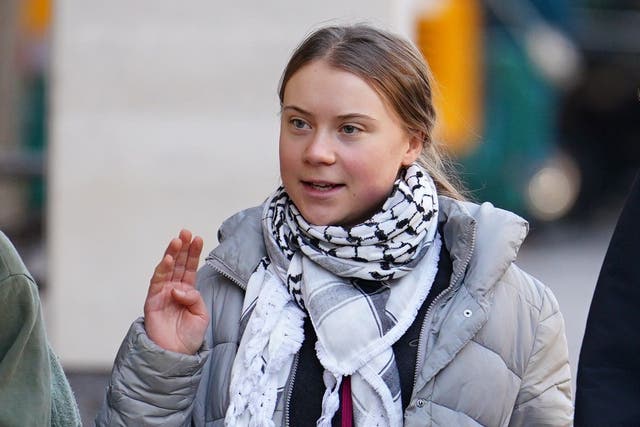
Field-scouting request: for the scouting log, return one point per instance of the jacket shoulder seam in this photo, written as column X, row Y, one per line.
column 17, row 275
column 556, row 384
column 457, row 411
column 535, row 285
column 500, row 356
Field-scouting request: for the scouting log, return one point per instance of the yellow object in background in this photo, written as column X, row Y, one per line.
column 449, row 35
column 35, row 17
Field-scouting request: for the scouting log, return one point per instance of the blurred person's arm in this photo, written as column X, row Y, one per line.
column 608, row 386
column 33, row 387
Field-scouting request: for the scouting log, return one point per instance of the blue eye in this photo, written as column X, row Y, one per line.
column 298, row 123
column 350, row 129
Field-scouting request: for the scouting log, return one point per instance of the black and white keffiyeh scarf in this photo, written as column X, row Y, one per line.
column 362, row 287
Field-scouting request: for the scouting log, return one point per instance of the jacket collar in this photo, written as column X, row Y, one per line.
column 241, row 246
column 483, row 242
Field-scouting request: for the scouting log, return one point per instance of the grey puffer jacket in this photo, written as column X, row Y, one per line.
column 492, row 349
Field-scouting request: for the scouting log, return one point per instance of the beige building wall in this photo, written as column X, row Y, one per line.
column 164, row 115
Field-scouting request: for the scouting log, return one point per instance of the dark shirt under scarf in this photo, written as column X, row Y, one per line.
column 305, row 406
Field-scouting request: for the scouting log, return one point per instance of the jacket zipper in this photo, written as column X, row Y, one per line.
column 221, row 268
column 289, row 389
column 422, row 330
column 453, row 283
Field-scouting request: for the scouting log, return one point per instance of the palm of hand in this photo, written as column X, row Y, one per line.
column 175, row 315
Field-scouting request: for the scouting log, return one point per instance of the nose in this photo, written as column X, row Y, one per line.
column 320, row 150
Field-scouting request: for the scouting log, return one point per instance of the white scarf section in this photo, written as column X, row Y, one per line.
column 362, row 287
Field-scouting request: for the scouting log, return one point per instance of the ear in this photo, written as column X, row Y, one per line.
column 414, row 148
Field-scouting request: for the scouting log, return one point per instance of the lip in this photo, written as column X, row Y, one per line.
column 318, row 188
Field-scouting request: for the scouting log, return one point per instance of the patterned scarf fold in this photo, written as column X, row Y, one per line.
column 362, row 287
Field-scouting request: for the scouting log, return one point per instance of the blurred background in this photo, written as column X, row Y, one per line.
column 122, row 122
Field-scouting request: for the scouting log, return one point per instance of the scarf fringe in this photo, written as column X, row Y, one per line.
column 276, row 324
column 330, row 399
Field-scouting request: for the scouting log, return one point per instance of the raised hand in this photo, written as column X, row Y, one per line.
column 175, row 316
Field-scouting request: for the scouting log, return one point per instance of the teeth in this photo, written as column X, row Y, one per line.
column 322, row 186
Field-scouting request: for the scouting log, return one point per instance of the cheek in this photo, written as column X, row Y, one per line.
column 377, row 169
column 375, row 180
column 285, row 155
column 285, row 170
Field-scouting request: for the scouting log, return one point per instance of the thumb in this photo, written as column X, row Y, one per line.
column 190, row 298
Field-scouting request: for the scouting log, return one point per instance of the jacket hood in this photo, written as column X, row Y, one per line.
column 10, row 262
column 482, row 239
column 483, row 242
column 241, row 245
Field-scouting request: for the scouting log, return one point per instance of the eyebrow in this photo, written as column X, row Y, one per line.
column 351, row 116
column 348, row 116
column 298, row 109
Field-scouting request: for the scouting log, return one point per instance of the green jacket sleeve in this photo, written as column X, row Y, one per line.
column 33, row 388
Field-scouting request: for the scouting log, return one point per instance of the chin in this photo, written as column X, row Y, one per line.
column 322, row 222
column 320, row 219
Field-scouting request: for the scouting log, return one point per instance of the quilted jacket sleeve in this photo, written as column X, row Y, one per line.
column 150, row 386
column 545, row 394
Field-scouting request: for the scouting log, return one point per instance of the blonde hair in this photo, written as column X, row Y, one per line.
column 397, row 71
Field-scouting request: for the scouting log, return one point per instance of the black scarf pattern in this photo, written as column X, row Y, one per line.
column 382, row 248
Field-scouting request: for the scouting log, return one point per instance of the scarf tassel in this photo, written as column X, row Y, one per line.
column 331, row 399
column 277, row 325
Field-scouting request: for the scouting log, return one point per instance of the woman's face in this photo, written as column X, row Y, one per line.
column 341, row 145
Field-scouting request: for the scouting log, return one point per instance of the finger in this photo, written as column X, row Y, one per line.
column 192, row 300
column 173, row 247
column 164, row 269
column 181, row 259
column 193, row 259
column 161, row 274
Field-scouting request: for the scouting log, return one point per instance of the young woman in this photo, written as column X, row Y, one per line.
column 364, row 291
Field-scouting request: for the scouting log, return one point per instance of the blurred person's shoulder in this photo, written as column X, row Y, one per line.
column 11, row 263
column 19, row 295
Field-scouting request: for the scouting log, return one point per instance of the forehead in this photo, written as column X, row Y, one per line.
column 321, row 85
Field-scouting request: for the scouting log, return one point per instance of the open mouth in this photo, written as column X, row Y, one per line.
column 321, row 186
